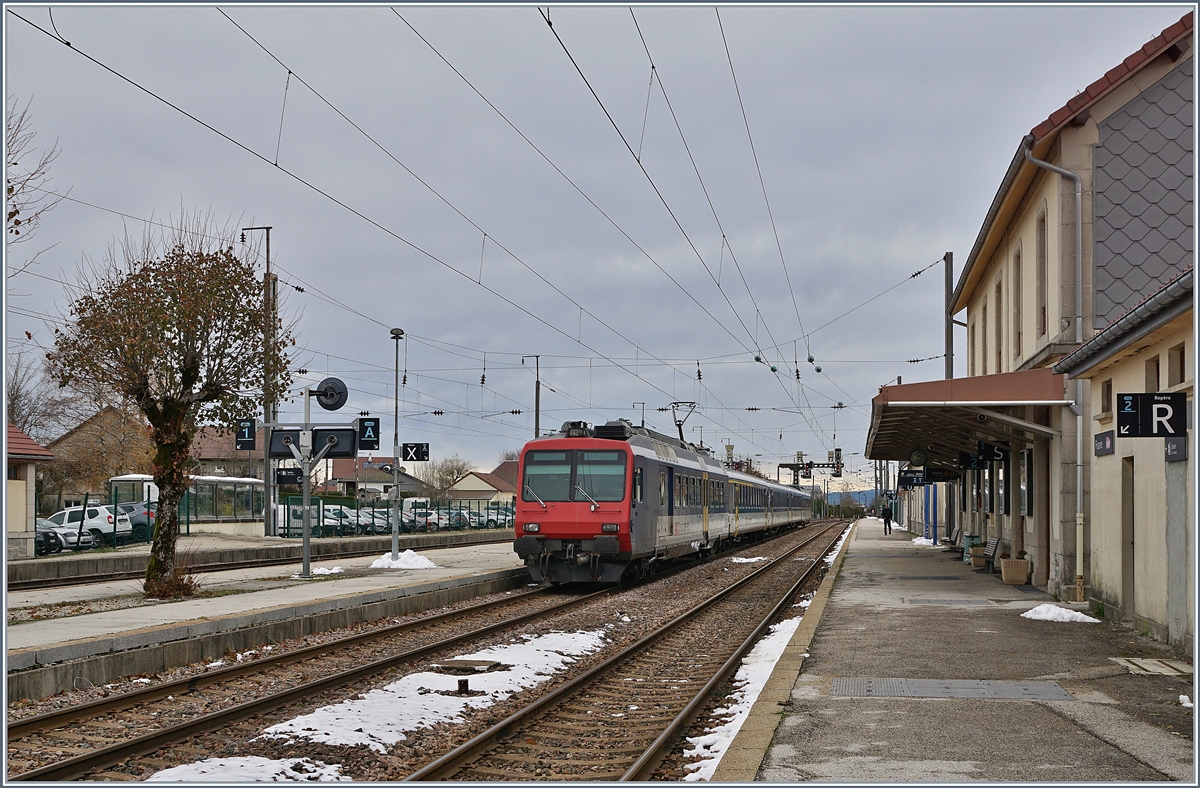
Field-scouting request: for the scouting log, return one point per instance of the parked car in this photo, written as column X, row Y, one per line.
column 45, row 541
column 65, row 536
column 141, row 517
column 499, row 519
column 105, row 525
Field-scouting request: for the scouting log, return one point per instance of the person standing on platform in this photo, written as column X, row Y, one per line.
column 887, row 521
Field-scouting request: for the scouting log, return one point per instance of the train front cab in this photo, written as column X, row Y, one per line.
column 573, row 509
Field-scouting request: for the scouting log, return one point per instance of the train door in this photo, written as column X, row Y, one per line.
column 735, row 496
column 704, row 502
column 671, row 500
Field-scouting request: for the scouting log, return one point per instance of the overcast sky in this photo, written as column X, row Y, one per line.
column 881, row 134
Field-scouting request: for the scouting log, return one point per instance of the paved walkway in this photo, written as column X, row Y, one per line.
column 901, row 612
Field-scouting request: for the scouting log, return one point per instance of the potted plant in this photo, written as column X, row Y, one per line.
column 1015, row 571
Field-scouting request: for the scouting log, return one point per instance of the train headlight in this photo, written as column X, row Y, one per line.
column 531, row 528
column 610, row 528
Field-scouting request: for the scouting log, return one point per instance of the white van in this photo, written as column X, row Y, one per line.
column 410, row 505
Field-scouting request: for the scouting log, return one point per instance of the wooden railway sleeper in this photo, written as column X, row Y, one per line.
column 455, row 760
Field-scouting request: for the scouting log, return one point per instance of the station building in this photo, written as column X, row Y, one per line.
column 1078, row 283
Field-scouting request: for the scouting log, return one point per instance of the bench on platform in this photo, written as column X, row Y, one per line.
column 954, row 541
column 989, row 555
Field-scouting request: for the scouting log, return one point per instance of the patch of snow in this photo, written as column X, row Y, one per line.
column 1185, row 701
column 422, row 700
column 320, row 570
column 406, row 560
column 748, row 683
column 921, row 541
column 748, row 560
column 833, row 554
column 250, row 770
column 217, row 664
column 1050, row 612
column 141, row 681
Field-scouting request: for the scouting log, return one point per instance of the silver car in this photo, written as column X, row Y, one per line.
column 104, row 525
column 69, row 538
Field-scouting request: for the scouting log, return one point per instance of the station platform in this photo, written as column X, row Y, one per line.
column 239, row 609
column 910, row 666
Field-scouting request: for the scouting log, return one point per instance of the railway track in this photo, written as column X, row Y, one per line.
column 151, row 728
column 617, row 720
column 58, row 582
column 77, row 735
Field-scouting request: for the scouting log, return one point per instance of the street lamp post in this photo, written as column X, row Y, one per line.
column 397, row 334
column 269, row 408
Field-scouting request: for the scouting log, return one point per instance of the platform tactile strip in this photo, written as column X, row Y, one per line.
column 948, row 688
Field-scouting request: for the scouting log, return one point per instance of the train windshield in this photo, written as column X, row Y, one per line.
column 574, row 476
column 600, row 474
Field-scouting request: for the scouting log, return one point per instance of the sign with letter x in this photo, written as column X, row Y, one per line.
column 414, row 452
column 1151, row 415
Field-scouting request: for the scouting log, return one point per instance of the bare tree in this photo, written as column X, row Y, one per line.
column 440, row 475
column 511, row 455
column 175, row 325
column 26, row 174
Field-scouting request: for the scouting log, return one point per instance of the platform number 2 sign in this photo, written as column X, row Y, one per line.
column 1151, row 415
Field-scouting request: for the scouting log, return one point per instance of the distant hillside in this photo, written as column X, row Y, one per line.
column 863, row 497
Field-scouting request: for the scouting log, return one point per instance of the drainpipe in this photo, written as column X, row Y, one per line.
column 1077, row 408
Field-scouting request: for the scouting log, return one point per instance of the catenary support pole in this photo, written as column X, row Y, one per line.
column 949, row 260
column 397, row 335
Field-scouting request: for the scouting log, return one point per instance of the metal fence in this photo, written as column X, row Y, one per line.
column 333, row 516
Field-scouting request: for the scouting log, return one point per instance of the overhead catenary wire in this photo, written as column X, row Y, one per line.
column 712, row 208
column 761, row 181
column 473, row 224
column 436, row 344
column 323, row 193
column 691, row 244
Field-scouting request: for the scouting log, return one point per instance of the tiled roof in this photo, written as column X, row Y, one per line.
column 216, row 443
column 494, row 481
column 1114, row 77
column 1018, row 175
column 1157, row 308
column 507, row 471
column 23, row 447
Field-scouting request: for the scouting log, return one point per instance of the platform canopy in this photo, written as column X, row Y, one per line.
column 942, row 418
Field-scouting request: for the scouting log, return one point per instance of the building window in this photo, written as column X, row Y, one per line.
column 1000, row 325
column 1016, row 305
column 1152, row 375
column 14, row 473
column 1176, row 365
column 983, row 339
column 1106, row 396
column 1040, row 262
column 971, row 349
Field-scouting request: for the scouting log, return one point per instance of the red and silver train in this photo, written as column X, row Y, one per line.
column 595, row 504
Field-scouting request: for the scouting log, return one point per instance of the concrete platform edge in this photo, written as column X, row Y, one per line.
column 42, row 672
column 68, row 566
column 741, row 762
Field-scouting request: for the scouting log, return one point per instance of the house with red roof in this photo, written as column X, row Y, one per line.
column 1078, row 288
column 23, row 456
column 484, row 487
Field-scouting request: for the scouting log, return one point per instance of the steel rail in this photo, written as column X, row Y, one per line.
column 125, row 700
column 78, row 580
column 649, row 760
column 106, row 756
column 449, row 763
